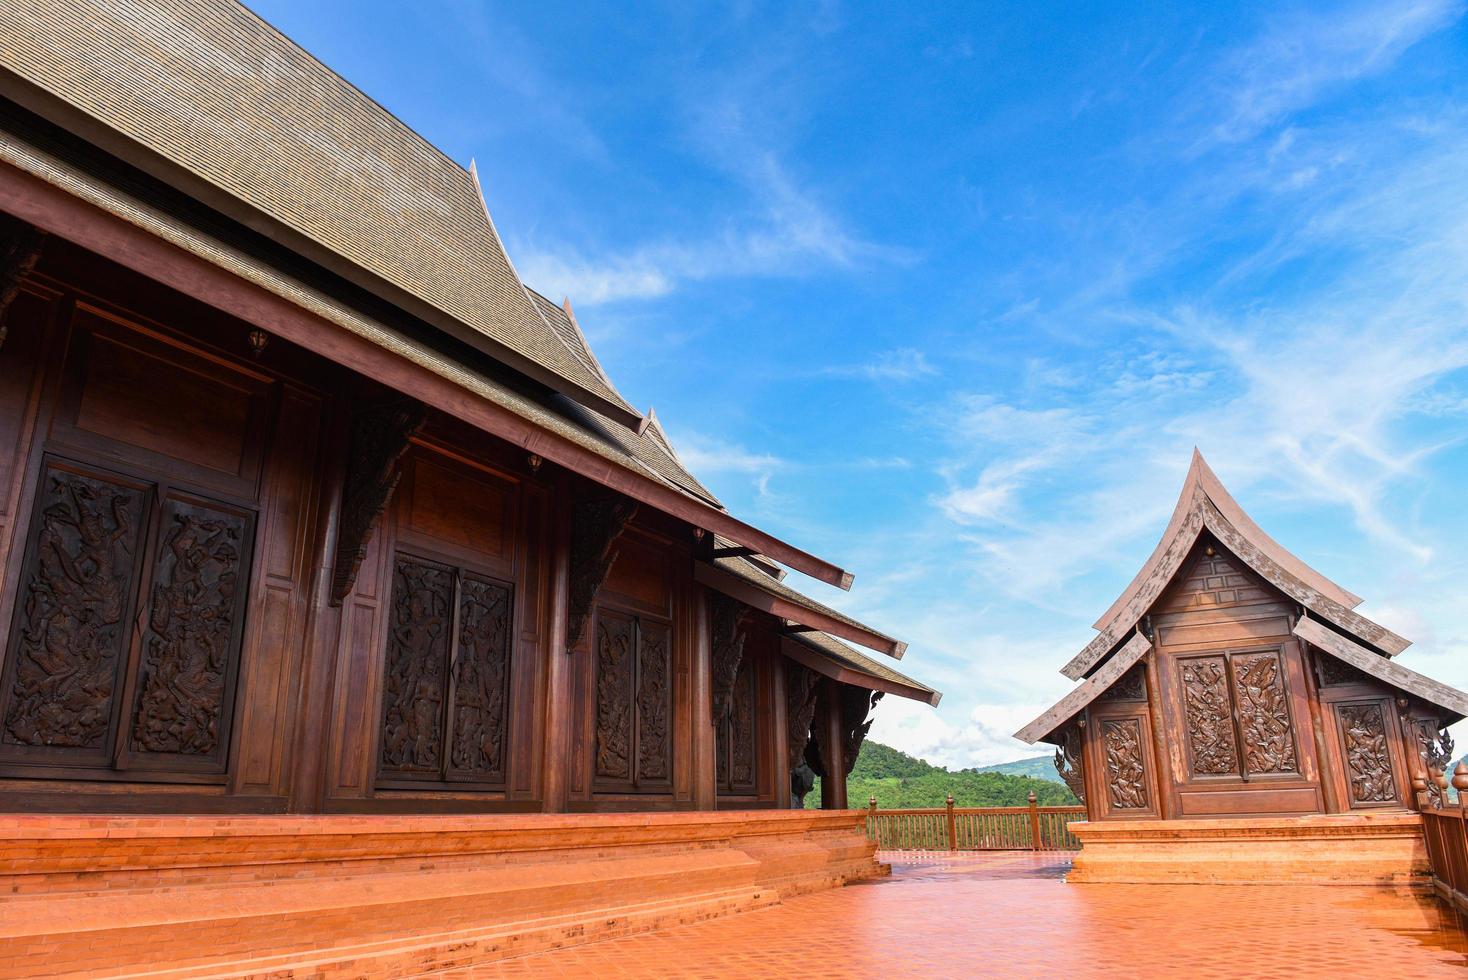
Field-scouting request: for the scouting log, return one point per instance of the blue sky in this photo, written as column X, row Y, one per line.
column 947, row 293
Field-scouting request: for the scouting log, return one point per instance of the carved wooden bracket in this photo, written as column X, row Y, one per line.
column 380, row 436
column 1435, row 749
column 1068, row 760
column 595, row 527
column 801, row 685
column 20, row 247
column 726, row 622
column 856, row 705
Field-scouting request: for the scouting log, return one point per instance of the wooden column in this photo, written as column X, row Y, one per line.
column 833, row 739
column 556, row 755
column 705, row 776
column 778, row 734
column 1168, row 777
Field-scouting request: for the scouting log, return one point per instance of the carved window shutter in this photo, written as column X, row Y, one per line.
column 634, row 703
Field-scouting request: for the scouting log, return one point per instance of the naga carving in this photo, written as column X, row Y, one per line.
column 1068, row 761
column 20, row 247
column 1368, row 760
column 192, row 640
column 595, row 527
column 1210, row 724
column 654, row 700
column 856, row 705
column 481, row 676
column 380, row 437
column 727, row 643
column 1126, row 773
column 1264, row 714
column 614, row 660
column 801, row 687
column 69, row 634
column 415, row 684
column 1435, row 746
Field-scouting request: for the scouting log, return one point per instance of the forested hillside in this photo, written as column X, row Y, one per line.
column 900, row 781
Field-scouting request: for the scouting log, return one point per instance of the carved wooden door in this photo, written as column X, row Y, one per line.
column 735, row 741
column 446, row 676
column 634, row 703
column 123, row 650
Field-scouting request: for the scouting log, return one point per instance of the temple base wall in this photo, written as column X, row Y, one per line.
column 1367, row 849
column 387, row 896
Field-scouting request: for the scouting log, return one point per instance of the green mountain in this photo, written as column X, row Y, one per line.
column 900, row 781
column 1040, row 767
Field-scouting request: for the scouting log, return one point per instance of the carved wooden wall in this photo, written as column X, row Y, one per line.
column 143, row 541
column 737, row 747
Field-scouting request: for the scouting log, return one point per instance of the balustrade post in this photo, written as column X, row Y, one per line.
column 872, row 820
column 952, row 824
column 1034, row 823
column 1460, row 783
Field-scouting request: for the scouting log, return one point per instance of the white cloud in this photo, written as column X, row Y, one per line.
column 902, row 364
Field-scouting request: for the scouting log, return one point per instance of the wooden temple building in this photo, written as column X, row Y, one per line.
column 309, row 506
column 1236, row 719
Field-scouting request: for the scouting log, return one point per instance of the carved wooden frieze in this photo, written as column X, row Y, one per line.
column 415, row 684
column 727, row 648
column 70, row 629
column 614, row 668
column 481, row 677
column 20, row 247
column 801, row 687
column 1335, row 673
column 1068, row 761
column 856, row 706
column 1126, row 779
column 1209, row 716
column 1264, row 714
column 1131, row 686
column 192, row 641
column 654, row 702
column 595, row 527
column 1368, row 760
column 1435, row 746
column 380, row 437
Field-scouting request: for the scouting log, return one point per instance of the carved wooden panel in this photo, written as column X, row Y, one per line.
column 481, row 676
column 654, row 702
column 190, row 648
column 415, row 683
column 615, row 659
column 1131, row 686
column 801, row 687
column 71, row 624
column 1368, row 759
column 735, row 742
column 1209, row 716
column 1264, row 713
column 1335, row 673
column 1126, row 773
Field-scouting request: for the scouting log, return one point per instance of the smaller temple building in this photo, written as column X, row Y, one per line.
column 1230, row 692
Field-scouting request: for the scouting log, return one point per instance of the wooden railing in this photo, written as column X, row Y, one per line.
column 1446, row 829
column 984, row 828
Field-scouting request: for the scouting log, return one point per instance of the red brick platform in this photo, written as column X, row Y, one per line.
column 386, row 895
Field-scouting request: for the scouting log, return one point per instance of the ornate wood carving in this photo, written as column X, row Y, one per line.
column 1068, row 761
column 614, row 665
column 1435, row 746
column 595, row 527
column 416, row 681
column 1131, row 686
column 1210, row 723
column 69, row 631
column 20, row 247
column 1264, row 714
column 481, row 676
column 380, row 437
column 193, row 634
column 1335, row 673
column 727, row 643
column 801, row 687
column 654, row 702
column 1368, row 760
column 741, row 729
column 856, row 706
column 1126, row 774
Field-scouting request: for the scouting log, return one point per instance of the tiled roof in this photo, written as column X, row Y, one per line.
column 216, row 92
column 853, row 659
column 753, row 574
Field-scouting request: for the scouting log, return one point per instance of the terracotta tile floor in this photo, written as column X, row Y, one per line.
column 1011, row 915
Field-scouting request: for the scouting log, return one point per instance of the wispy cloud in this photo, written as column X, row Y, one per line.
column 902, row 364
